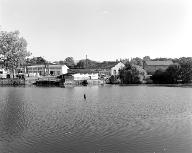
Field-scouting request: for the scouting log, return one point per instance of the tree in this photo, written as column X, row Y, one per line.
column 146, row 58
column 87, row 63
column 162, row 59
column 69, row 61
column 159, row 77
column 13, row 50
column 137, row 61
column 132, row 74
column 80, row 64
column 61, row 62
column 186, row 69
column 36, row 60
column 170, row 76
column 173, row 73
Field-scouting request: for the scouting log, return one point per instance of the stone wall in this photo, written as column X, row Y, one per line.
column 12, row 81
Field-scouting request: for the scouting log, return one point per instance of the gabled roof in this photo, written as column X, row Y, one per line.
column 159, row 63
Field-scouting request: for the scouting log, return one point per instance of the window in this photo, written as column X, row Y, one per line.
column 114, row 72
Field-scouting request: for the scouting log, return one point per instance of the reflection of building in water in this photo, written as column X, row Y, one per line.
column 14, row 117
column 47, row 70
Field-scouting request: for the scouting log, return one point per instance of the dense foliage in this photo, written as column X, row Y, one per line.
column 132, row 74
column 179, row 72
column 170, row 76
column 35, row 60
column 185, row 69
column 69, row 61
column 13, row 49
column 94, row 64
column 136, row 61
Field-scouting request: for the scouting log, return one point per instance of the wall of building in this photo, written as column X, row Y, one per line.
column 3, row 73
column 64, row 69
column 87, row 76
column 116, row 68
column 36, row 70
column 55, row 70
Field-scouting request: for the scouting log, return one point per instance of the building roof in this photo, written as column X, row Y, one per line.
column 73, row 71
column 49, row 65
column 159, row 63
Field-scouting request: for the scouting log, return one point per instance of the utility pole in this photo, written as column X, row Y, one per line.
column 86, row 61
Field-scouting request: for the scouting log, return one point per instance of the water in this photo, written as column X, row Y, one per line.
column 113, row 119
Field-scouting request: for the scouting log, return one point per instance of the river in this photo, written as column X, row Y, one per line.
column 112, row 119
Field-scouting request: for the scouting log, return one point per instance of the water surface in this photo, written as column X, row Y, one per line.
column 113, row 119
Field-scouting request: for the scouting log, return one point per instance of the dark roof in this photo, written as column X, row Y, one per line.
column 159, row 63
column 73, row 71
column 103, row 65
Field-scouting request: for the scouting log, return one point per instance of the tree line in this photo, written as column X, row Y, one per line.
column 179, row 72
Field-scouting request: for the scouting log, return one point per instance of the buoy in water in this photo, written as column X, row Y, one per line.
column 85, row 96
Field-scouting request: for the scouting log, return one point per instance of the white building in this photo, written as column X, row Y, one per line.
column 57, row 69
column 116, row 68
column 36, row 70
column 3, row 73
column 92, row 76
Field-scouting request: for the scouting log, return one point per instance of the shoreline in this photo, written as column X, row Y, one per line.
column 14, row 82
column 159, row 85
column 92, row 85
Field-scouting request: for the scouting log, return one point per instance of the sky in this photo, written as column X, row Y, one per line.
column 102, row 29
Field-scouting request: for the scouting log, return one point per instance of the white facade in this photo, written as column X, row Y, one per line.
column 36, row 70
column 3, row 73
column 116, row 68
column 92, row 76
column 55, row 70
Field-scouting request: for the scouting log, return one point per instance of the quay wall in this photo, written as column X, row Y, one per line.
column 12, row 81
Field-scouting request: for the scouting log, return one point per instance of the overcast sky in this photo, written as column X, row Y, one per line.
column 102, row 29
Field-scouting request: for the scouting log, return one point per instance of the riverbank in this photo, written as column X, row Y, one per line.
column 12, row 82
column 159, row 85
column 52, row 81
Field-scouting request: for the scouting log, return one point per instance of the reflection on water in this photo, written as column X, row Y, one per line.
column 13, row 115
column 112, row 119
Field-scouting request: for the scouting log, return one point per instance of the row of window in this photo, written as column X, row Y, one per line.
column 50, row 72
